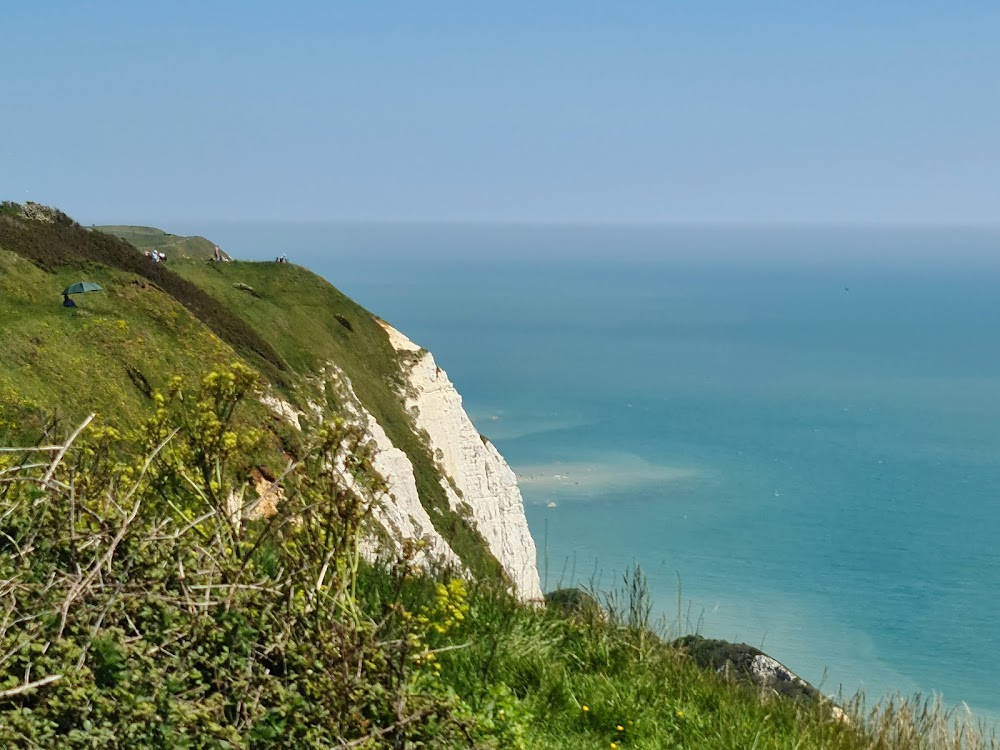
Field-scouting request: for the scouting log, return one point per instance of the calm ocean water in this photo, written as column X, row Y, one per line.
column 802, row 426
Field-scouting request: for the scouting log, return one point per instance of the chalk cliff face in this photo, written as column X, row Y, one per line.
column 481, row 481
column 400, row 514
column 475, row 477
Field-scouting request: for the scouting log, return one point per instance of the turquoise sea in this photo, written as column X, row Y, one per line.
column 799, row 425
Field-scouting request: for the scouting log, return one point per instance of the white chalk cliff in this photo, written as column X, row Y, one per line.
column 400, row 514
column 475, row 477
column 486, row 486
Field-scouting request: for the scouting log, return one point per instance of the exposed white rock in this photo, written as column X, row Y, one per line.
column 401, row 513
column 481, row 483
column 399, row 342
column 768, row 670
column 841, row 715
column 282, row 409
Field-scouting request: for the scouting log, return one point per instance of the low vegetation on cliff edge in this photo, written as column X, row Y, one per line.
column 145, row 601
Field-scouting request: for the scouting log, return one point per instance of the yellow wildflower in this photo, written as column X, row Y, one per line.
column 620, row 728
column 586, row 708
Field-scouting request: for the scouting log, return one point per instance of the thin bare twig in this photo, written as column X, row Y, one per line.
column 29, row 686
column 31, row 448
column 78, row 587
column 20, row 467
column 62, row 451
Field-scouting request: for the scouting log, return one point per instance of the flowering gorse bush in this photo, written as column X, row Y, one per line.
column 144, row 602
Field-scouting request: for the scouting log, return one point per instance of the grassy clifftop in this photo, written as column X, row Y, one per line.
column 55, row 243
column 151, row 238
column 186, row 316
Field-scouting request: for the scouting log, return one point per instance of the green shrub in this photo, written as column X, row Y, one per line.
column 159, row 610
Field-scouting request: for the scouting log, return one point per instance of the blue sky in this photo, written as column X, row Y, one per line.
column 536, row 111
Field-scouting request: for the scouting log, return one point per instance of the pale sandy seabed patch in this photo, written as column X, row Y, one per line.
column 588, row 477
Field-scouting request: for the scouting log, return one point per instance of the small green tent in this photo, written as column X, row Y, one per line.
column 80, row 287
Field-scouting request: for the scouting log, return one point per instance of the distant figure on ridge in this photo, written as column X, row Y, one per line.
column 67, row 302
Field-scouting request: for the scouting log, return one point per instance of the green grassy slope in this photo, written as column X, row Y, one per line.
column 62, row 243
column 185, row 316
column 171, row 245
column 310, row 323
column 80, row 360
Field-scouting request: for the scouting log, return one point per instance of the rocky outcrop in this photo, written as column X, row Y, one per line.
column 38, row 212
column 475, row 476
column 282, row 409
column 575, row 603
column 743, row 663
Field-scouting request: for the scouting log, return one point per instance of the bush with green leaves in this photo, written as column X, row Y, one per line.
column 146, row 602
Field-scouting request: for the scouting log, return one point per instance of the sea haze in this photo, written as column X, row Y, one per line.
column 800, row 425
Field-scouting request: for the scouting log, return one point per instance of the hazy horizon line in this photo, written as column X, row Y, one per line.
column 559, row 223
